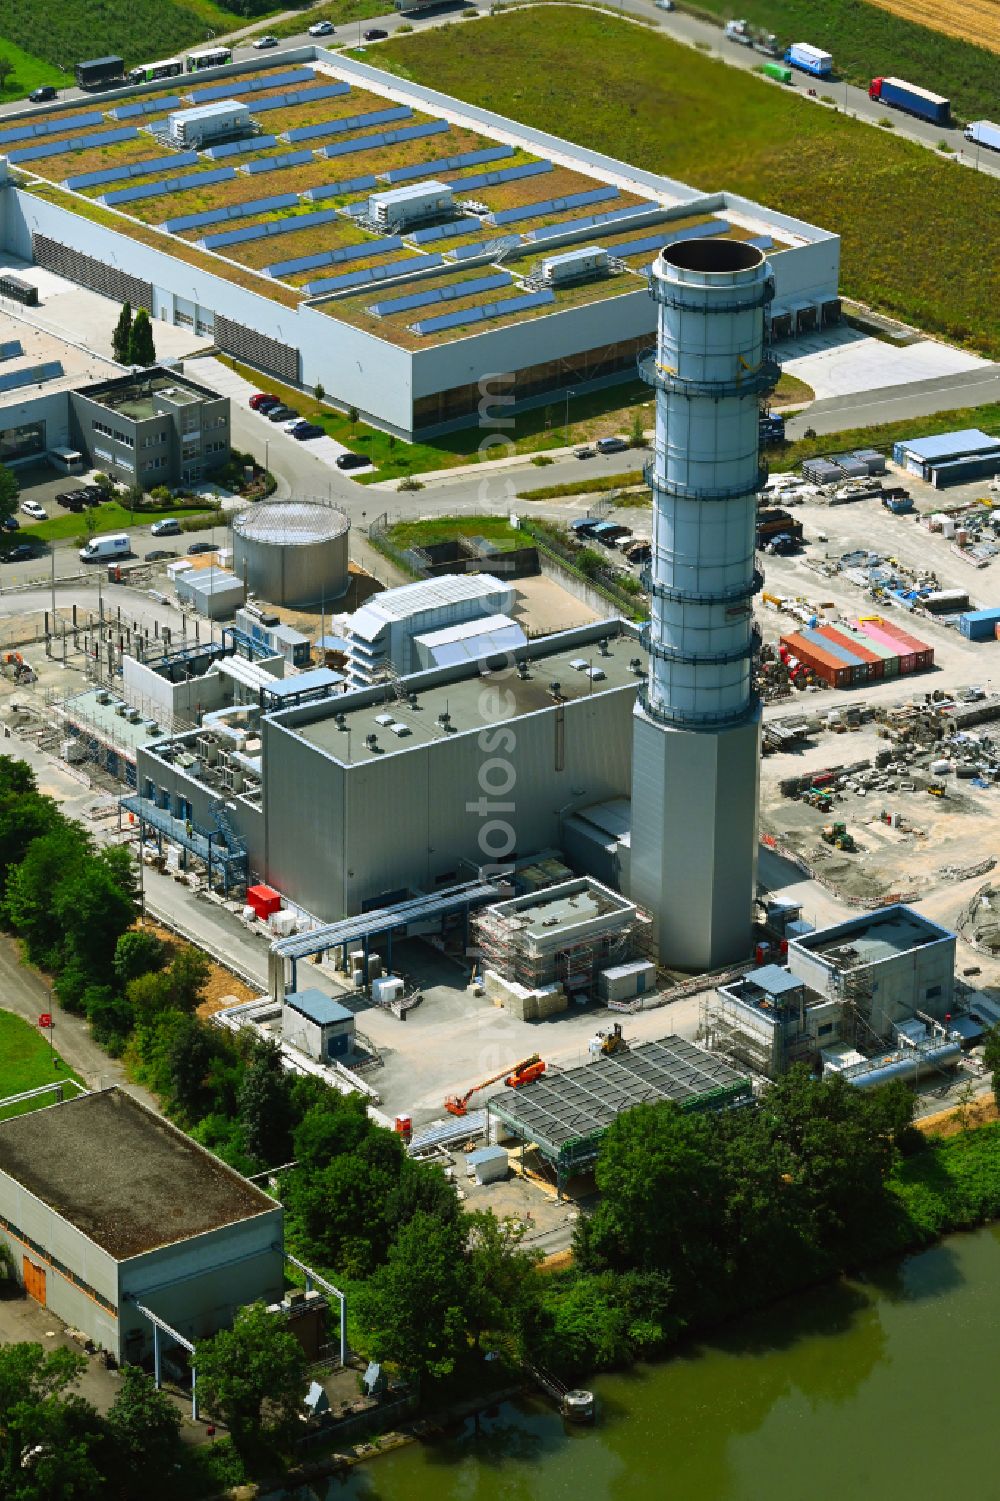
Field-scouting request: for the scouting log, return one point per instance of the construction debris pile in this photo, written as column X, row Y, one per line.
column 973, row 531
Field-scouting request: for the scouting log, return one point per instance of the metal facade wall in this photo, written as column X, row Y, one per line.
column 257, row 349
column 51, row 1239
column 410, row 817
column 198, row 1284
column 87, row 271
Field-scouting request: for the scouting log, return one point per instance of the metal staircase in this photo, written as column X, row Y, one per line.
column 233, row 861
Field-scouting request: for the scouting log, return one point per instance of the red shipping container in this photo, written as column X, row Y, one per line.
column 909, row 644
column 824, row 665
column 854, row 643
column 263, row 900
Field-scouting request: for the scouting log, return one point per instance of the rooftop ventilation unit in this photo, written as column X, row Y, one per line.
column 635, row 663
column 340, row 720
column 444, row 720
column 575, row 265
column 385, row 720
column 372, row 742
column 522, row 671
column 556, row 690
column 400, row 729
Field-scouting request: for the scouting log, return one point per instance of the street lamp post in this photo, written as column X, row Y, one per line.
column 566, row 424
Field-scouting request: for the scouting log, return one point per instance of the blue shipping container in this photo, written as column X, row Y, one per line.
column 980, row 625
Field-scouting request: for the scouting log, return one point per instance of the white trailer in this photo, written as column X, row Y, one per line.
column 575, row 265
column 983, row 133
column 206, row 122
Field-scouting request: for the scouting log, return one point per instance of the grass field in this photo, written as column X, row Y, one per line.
column 423, row 533
column 25, row 1063
column 866, row 41
column 61, row 34
column 29, row 71
column 918, row 233
column 110, row 518
column 884, row 434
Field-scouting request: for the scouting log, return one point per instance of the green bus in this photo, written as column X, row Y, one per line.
column 778, row 72
column 170, row 67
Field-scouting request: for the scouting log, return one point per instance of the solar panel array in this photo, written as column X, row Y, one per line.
column 265, row 231
column 671, row 237
column 552, row 206
column 255, row 85
column 144, row 107
column 301, row 96
column 334, row 189
column 506, row 174
column 11, row 349
column 34, row 375
column 446, row 164
column 275, row 163
column 171, row 185
column 444, row 231
column 50, row 127
column 239, row 148
column 373, row 273
column 233, row 211
column 148, row 165
column 385, row 138
column 349, row 122
column 335, row 257
column 75, row 143
column 502, row 242
column 441, row 294
column 485, row 310
column 613, row 216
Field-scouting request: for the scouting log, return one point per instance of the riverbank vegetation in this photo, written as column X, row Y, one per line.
column 654, row 103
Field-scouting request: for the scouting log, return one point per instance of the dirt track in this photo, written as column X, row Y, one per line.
column 970, row 20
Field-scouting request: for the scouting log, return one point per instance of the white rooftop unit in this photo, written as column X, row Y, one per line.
column 191, row 127
column 404, row 206
column 574, row 265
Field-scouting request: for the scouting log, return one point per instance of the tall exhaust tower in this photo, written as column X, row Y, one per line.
column 696, row 745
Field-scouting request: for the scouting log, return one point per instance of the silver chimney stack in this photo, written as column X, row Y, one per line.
column 696, row 745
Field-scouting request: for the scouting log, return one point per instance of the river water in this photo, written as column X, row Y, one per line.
column 883, row 1389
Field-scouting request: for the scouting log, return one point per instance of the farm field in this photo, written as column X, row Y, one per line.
column 62, row 34
column 975, row 21
column 885, row 38
column 918, row 238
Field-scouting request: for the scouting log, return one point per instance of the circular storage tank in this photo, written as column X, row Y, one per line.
column 292, row 552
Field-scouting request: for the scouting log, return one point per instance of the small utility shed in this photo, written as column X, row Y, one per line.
column 107, row 1206
column 316, row 1023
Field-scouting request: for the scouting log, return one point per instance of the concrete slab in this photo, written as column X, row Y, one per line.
column 841, row 362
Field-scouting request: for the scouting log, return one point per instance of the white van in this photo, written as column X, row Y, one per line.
column 98, row 549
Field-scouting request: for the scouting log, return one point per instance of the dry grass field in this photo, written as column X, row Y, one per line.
column 975, row 21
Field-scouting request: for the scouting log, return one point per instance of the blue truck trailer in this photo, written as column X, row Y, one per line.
column 899, row 94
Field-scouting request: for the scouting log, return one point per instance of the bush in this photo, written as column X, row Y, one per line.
column 161, row 493
column 202, row 522
column 541, row 459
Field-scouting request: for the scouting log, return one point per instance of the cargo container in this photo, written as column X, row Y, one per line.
column 914, row 655
column 983, row 133
column 980, row 625
column 810, row 59
column 849, row 640
column 100, row 72
column 829, row 669
column 778, row 72
column 899, row 94
column 946, row 601
column 888, row 654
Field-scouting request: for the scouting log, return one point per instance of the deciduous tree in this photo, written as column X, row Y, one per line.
column 253, row 1376
column 145, row 1427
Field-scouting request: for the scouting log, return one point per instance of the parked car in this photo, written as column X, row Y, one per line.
column 11, row 524
column 306, row 430
column 281, row 414
column 263, row 42
column 198, row 547
column 322, row 28
column 611, row 445
column 290, row 427
column 584, row 453
column 94, row 494
column 43, row 94
column 168, row 527
column 34, row 510
column 18, row 554
column 375, row 34
column 160, row 554
column 352, row 460
column 262, row 400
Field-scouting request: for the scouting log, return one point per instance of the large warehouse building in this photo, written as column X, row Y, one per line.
column 110, row 1210
column 376, row 237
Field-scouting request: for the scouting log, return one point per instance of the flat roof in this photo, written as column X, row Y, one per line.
column 560, row 909
column 124, row 1177
column 869, row 940
column 557, row 1110
column 460, row 695
column 133, row 395
column 318, row 1007
column 966, row 440
column 774, row 979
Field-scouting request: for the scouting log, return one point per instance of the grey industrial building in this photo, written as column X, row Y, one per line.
column 358, row 799
column 154, row 427
column 110, row 1210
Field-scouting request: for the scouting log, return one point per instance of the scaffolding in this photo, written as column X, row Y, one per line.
column 530, row 941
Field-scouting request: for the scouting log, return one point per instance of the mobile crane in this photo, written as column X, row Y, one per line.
column 525, row 1072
